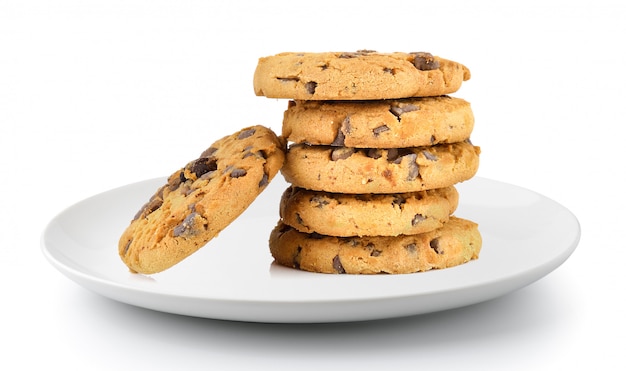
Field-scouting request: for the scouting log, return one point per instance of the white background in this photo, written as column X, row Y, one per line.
column 99, row 94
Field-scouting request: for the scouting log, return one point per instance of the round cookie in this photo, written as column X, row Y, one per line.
column 201, row 199
column 353, row 170
column 457, row 242
column 400, row 123
column 361, row 75
column 345, row 215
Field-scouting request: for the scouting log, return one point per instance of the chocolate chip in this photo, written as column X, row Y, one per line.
column 186, row 227
column 398, row 109
column 411, row 248
column 414, row 170
column 358, row 53
column 310, row 87
column 175, row 179
column 208, row 152
column 417, row 219
column 287, row 79
column 264, row 180
column 246, row 133
column 339, row 139
column 284, row 228
column 321, row 201
column 258, row 154
column 299, row 219
column 297, row 258
column 237, row 173
column 341, row 153
column 381, row 129
column 202, row 166
column 337, row 266
column 425, row 61
column 344, row 128
column 181, row 179
column 127, row 246
column 375, row 253
column 374, row 153
column 434, row 244
column 429, row 156
column 348, row 55
column 398, row 201
column 153, row 204
column 159, row 193
column 393, row 155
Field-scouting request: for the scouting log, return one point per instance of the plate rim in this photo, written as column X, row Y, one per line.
column 115, row 290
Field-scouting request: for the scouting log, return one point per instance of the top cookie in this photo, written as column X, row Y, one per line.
column 201, row 199
column 361, row 75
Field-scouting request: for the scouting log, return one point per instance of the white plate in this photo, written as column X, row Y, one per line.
column 525, row 237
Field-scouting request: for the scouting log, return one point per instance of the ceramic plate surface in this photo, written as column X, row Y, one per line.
column 525, row 236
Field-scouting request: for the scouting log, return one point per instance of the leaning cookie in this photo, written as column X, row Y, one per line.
column 354, row 170
column 399, row 123
column 201, row 199
column 345, row 215
column 457, row 242
column 361, row 75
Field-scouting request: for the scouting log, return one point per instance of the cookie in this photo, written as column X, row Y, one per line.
column 400, row 123
column 361, row 75
column 354, row 170
column 201, row 199
column 457, row 242
column 345, row 215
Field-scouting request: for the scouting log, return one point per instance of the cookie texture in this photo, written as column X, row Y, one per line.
column 361, row 75
column 346, row 215
column 201, row 199
column 457, row 242
column 362, row 170
column 398, row 123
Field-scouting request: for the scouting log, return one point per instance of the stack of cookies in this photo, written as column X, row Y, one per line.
column 376, row 146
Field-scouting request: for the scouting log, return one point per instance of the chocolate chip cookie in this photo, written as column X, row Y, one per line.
column 399, row 123
column 393, row 170
column 457, row 242
column 346, row 215
column 201, row 199
column 361, row 75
